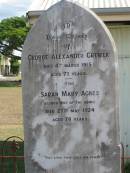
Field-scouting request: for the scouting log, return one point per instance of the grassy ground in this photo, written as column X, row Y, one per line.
column 11, row 124
column 10, row 112
column 9, row 84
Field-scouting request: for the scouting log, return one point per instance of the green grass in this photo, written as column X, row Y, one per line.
column 10, row 83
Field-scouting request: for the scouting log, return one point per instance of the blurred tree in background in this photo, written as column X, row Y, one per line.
column 13, row 32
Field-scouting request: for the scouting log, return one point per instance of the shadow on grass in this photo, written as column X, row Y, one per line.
column 10, row 83
column 10, row 163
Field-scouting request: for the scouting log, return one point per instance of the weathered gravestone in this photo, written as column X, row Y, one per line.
column 69, row 94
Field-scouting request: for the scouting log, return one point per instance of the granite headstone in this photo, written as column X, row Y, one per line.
column 70, row 94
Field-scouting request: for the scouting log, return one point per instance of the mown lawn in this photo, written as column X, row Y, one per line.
column 11, row 124
column 11, row 120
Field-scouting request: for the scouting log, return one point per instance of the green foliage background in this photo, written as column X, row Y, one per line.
column 13, row 32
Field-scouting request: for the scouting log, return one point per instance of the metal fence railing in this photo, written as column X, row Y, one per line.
column 11, row 155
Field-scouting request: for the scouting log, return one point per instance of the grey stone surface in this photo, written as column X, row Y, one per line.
column 70, row 94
